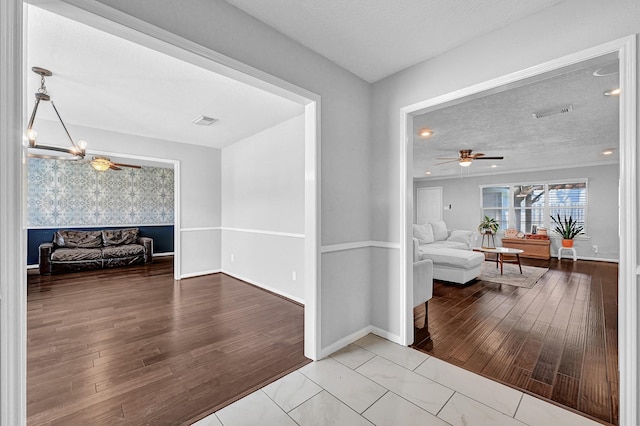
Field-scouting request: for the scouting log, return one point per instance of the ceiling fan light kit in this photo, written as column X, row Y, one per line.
column 103, row 164
column 76, row 150
column 466, row 157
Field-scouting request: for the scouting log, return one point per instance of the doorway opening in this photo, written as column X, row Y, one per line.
column 124, row 26
column 624, row 50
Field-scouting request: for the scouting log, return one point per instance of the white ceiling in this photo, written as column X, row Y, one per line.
column 105, row 82
column 376, row 38
column 500, row 123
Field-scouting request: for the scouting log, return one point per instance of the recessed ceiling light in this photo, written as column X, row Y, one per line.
column 425, row 133
column 608, row 151
column 203, row 120
column 612, row 92
column 427, row 173
column 493, row 166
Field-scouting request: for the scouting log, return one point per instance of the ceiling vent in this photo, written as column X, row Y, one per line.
column 551, row 112
column 203, row 120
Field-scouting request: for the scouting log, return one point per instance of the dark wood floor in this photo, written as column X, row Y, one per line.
column 132, row 346
column 557, row 340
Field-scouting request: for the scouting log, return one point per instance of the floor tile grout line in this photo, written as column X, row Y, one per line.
column 374, row 402
column 445, row 404
column 518, row 407
column 421, row 408
column 422, row 363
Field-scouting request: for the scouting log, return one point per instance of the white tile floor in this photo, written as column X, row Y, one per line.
column 378, row 382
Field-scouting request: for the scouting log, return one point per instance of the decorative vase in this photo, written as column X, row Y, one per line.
column 567, row 243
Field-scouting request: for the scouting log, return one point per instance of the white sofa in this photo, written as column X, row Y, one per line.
column 449, row 250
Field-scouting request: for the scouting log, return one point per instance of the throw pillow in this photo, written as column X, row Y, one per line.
column 423, row 233
column 440, row 232
column 460, row 236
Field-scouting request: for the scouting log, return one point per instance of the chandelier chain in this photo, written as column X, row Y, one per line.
column 43, row 87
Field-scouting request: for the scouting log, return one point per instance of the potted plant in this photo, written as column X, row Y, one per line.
column 489, row 225
column 567, row 228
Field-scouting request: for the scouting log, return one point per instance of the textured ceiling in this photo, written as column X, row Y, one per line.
column 376, row 38
column 501, row 124
column 105, row 82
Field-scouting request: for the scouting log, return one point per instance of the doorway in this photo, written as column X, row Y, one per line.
column 12, row 333
column 627, row 299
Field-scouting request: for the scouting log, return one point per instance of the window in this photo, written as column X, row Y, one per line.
column 526, row 207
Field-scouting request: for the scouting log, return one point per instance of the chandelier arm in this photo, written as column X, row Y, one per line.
column 63, row 126
column 33, row 114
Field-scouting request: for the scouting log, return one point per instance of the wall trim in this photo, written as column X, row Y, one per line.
column 13, row 237
column 263, row 286
column 358, row 245
column 626, row 48
column 166, row 253
column 203, row 228
column 357, row 335
column 260, row 231
column 200, row 273
column 100, row 226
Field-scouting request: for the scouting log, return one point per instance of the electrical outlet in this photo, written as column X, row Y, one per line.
column 232, row 257
column 595, row 249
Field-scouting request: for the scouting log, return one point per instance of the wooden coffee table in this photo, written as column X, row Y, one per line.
column 500, row 252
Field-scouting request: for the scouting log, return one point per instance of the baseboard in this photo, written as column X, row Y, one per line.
column 386, row 335
column 353, row 337
column 264, row 287
column 197, row 274
column 169, row 253
column 345, row 341
column 594, row 259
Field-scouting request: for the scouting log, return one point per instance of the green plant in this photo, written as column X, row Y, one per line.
column 489, row 224
column 567, row 228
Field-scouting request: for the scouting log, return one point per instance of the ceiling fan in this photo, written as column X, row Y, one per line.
column 102, row 164
column 466, row 158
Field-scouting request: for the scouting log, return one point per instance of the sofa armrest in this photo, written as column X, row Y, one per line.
column 148, row 248
column 44, row 257
column 422, row 281
column 416, row 250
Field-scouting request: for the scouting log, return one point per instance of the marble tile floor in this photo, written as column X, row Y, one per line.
column 377, row 382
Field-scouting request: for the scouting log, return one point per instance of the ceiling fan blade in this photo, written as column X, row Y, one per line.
column 127, row 165
column 474, row 156
column 490, row 158
column 447, row 158
column 113, row 167
column 450, row 161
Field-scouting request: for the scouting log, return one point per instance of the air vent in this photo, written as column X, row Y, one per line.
column 551, row 112
column 203, row 120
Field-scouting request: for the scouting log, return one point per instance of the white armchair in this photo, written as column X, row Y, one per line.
column 422, row 291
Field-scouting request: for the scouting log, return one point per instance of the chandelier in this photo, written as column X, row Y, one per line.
column 75, row 150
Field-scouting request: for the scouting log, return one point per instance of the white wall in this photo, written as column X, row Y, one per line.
column 262, row 199
column 199, row 187
column 602, row 209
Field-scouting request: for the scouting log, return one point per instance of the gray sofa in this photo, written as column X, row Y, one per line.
column 449, row 250
column 73, row 250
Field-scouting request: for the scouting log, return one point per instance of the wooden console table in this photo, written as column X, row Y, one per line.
column 535, row 249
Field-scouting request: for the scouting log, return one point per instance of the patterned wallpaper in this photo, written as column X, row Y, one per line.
column 69, row 193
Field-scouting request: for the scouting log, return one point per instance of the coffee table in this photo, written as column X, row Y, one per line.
column 500, row 252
